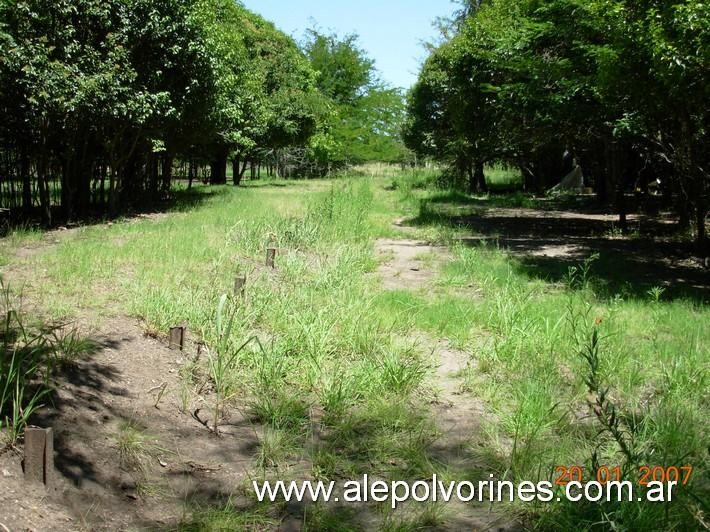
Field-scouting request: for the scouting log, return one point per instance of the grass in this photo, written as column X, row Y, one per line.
column 501, row 179
column 137, row 454
column 30, row 351
column 331, row 341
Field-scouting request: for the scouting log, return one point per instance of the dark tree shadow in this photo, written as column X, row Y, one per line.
column 545, row 244
column 178, row 200
column 93, row 392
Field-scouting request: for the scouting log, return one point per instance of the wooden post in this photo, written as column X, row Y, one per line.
column 239, row 285
column 271, row 257
column 177, row 338
column 39, row 455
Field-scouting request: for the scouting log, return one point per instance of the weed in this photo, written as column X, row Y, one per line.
column 26, row 358
column 224, row 357
column 277, row 446
column 137, row 452
column 134, row 446
column 579, row 277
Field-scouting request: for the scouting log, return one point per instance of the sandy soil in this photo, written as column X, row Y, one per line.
column 185, row 464
column 458, row 415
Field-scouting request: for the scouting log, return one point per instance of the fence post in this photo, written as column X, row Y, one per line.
column 239, row 286
column 177, row 338
column 271, row 257
column 39, row 455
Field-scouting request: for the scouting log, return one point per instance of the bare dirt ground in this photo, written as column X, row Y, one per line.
column 412, row 265
column 407, row 264
column 182, row 463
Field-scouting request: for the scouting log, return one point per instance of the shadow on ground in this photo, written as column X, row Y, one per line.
column 546, row 243
column 185, row 464
column 179, row 200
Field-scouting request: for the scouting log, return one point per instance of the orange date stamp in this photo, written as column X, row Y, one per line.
column 681, row 475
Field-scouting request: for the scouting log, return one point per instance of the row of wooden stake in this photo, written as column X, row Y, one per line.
column 39, row 442
column 176, row 338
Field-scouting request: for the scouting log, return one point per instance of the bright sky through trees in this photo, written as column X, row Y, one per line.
column 390, row 30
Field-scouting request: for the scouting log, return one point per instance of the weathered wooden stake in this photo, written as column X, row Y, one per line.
column 177, row 338
column 270, row 257
column 39, row 455
column 239, row 285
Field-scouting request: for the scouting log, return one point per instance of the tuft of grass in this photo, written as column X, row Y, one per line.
column 230, row 518
column 134, row 446
column 29, row 353
column 137, row 454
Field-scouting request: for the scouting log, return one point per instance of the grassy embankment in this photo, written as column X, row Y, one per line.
column 333, row 342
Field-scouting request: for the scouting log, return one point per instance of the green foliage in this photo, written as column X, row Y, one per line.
column 25, row 365
column 92, row 84
column 28, row 356
column 100, row 98
column 619, row 84
column 365, row 116
column 265, row 93
column 345, row 73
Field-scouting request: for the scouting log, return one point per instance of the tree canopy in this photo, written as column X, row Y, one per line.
column 619, row 84
column 365, row 115
column 100, row 99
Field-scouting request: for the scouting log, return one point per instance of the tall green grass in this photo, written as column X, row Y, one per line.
column 30, row 351
column 336, row 352
column 540, row 351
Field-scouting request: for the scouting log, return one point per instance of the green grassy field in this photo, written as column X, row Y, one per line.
column 332, row 340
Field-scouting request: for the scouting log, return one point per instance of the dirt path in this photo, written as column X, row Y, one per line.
column 408, row 264
column 412, row 265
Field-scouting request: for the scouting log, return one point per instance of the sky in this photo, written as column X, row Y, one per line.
column 391, row 31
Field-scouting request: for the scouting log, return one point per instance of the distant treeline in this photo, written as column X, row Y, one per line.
column 103, row 101
column 619, row 85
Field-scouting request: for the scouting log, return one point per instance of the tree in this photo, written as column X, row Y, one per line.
column 657, row 60
column 91, row 88
column 522, row 81
column 363, row 115
column 265, row 89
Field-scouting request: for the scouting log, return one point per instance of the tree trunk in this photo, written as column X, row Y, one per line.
column 236, row 171
column 152, row 168
column 619, row 181
column 480, row 177
column 218, row 169
column 43, row 186
column 476, row 178
column 26, row 183
column 83, row 175
column 701, row 213
column 167, row 172
column 191, row 171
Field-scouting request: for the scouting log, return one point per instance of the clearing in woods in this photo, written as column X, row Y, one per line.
column 402, row 333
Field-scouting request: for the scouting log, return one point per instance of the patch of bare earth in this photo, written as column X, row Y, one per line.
column 459, row 415
column 408, row 264
column 129, row 381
